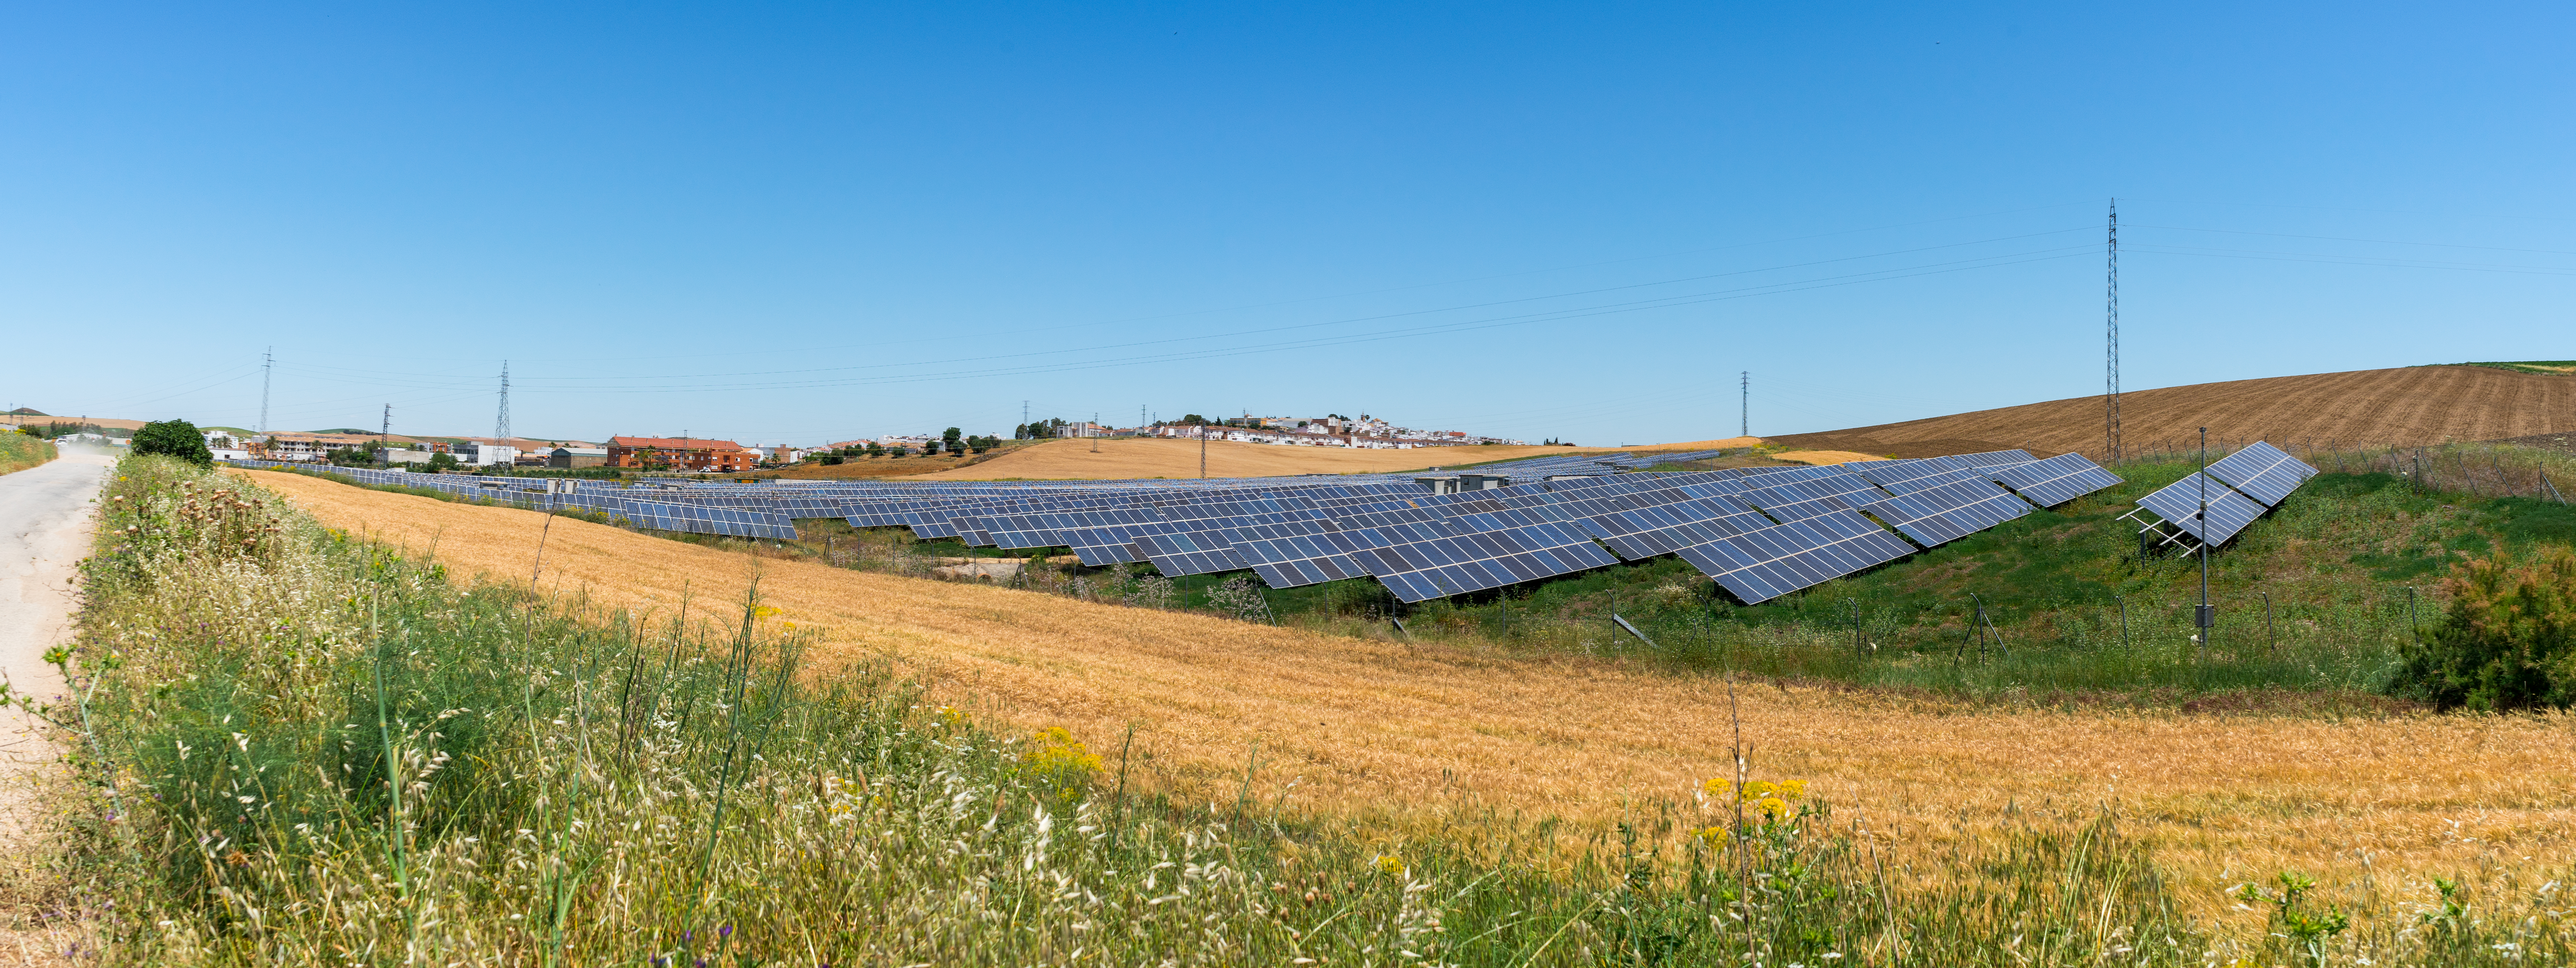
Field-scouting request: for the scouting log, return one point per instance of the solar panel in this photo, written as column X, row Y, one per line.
column 1939, row 515
column 2263, row 472
column 1190, row 553
column 1441, row 567
column 1766, row 564
column 2055, row 481
column 1666, row 528
column 1995, row 458
column 2179, row 504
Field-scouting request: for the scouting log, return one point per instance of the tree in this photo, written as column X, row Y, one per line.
column 1192, row 420
column 175, row 438
column 876, row 449
column 948, row 438
column 441, row 462
column 2509, row 642
column 982, row 444
column 898, row 450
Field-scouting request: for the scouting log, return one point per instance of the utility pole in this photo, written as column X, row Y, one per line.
column 1024, row 419
column 1202, row 450
column 267, row 359
column 501, row 422
column 2111, row 349
column 1745, row 402
column 2202, row 617
column 1094, row 431
column 385, row 429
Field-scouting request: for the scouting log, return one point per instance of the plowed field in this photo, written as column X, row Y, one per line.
column 1419, row 731
column 2406, row 407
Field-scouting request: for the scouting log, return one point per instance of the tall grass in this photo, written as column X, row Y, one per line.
column 21, row 451
column 305, row 749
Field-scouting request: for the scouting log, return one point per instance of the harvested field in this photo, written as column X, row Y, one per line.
column 1124, row 459
column 1417, row 732
column 2413, row 406
column 1822, row 456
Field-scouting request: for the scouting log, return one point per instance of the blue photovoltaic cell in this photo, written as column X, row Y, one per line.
column 2055, row 481
column 1766, row 564
column 2179, row 504
column 2263, row 472
column 1190, row 553
column 1939, row 515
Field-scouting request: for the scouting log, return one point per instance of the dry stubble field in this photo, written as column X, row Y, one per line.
column 1409, row 734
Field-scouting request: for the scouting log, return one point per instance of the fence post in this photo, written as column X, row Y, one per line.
column 2270, row 631
column 2411, row 633
column 1858, row 651
column 2124, row 612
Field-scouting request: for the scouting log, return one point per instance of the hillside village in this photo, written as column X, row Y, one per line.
column 351, row 446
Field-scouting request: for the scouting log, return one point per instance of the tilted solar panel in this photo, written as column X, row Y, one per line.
column 2055, row 481
column 1766, row 564
column 2263, row 472
column 1939, row 515
column 1190, row 553
column 2179, row 504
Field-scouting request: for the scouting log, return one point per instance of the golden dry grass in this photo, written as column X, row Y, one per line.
column 1364, row 727
column 1150, row 457
column 1823, row 456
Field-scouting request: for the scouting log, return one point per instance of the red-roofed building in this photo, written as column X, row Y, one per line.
column 679, row 454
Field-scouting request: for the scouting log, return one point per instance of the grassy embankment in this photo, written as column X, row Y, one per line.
column 21, row 451
column 307, row 749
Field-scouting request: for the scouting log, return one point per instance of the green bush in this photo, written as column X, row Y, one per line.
column 175, row 438
column 442, row 461
column 2509, row 643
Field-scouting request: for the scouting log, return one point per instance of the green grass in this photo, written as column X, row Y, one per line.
column 21, row 451
column 310, row 750
column 2557, row 367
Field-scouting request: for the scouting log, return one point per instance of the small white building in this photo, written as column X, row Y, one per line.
column 476, row 454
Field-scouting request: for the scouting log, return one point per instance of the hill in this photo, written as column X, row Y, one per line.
column 2409, row 406
column 1130, row 459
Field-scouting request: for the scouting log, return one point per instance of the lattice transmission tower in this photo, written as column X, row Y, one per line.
column 2111, row 347
column 501, row 421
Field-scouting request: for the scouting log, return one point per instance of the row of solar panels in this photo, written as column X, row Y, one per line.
column 2236, row 490
column 1760, row 532
column 694, row 518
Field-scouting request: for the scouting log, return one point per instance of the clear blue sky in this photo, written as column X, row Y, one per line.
column 797, row 223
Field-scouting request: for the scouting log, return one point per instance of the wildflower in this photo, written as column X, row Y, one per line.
column 1713, row 836
column 1390, row 865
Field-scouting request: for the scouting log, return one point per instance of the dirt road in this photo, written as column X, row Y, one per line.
column 44, row 533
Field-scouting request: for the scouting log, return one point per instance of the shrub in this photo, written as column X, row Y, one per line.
column 2509, row 643
column 175, row 438
column 441, row 461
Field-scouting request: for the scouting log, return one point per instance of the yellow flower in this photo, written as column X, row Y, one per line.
column 952, row 717
column 1774, row 806
column 1390, row 865
column 1713, row 836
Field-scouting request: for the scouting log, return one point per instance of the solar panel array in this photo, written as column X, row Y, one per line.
column 1760, row 532
column 2239, row 489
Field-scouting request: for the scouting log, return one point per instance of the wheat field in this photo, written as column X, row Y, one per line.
column 1375, row 728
